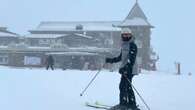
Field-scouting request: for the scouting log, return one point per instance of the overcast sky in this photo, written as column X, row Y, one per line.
column 172, row 37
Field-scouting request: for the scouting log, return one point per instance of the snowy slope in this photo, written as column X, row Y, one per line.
column 38, row 89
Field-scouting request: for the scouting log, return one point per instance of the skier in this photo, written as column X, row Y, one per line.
column 127, row 58
column 50, row 62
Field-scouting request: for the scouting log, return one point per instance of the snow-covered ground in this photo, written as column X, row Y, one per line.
column 38, row 89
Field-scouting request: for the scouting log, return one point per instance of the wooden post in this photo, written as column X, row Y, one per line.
column 178, row 68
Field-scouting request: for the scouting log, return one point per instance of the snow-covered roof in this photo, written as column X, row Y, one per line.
column 36, row 47
column 135, row 22
column 91, row 49
column 136, row 17
column 45, row 35
column 55, row 35
column 76, row 49
column 136, row 11
column 83, row 35
column 87, row 26
column 71, row 53
column 6, row 34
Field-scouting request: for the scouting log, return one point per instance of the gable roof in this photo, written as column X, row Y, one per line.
column 136, row 12
column 71, row 26
column 42, row 36
column 136, row 17
column 134, row 22
column 53, row 36
column 78, row 35
column 5, row 33
column 83, row 35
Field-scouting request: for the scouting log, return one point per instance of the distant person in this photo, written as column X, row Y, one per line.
column 50, row 62
column 127, row 57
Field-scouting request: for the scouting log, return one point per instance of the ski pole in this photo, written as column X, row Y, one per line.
column 81, row 94
column 137, row 93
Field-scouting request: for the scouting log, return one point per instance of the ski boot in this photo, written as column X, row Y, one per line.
column 134, row 108
column 119, row 107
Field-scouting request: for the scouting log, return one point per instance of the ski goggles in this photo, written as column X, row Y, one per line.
column 126, row 35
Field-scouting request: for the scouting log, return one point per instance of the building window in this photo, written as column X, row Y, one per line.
column 31, row 60
column 3, row 59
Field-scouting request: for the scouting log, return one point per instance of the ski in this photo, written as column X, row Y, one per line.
column 100, row 104
column 97, row 106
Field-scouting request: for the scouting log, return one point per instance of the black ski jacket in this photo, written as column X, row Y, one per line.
column 132, row 57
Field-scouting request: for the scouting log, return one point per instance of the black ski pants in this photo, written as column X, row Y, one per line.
column 49, row 66
column 127, row 96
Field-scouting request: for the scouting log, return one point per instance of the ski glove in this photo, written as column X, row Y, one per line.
column 124, row 70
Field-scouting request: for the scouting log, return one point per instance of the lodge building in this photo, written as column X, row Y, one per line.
column 78, row 44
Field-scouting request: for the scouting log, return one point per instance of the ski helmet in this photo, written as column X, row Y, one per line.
column 126, row 31
column 126, row 34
